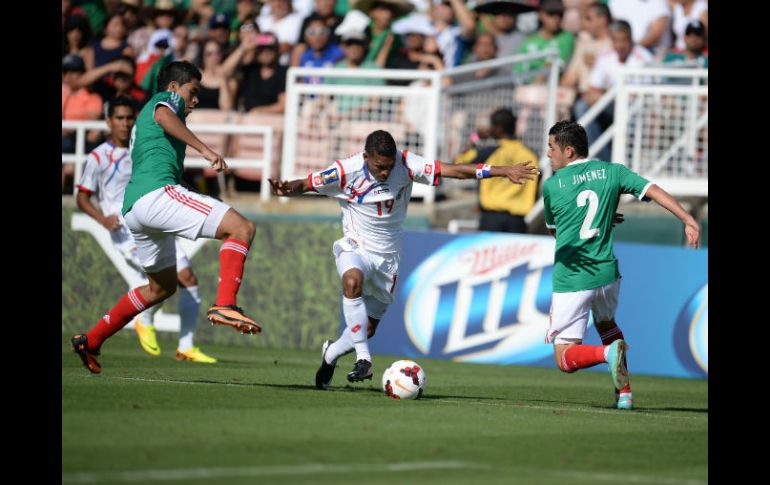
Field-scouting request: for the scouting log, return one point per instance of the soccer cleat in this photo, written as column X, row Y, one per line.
column 194, row 354
column 147, row 338
column 233, row 316
column 625, row 401
column 323, row 377
column 362, row 370
column 616, row 362
column 90, row 359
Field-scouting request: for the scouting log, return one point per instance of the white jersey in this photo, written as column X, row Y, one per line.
column 106, row 174
column 373, row 212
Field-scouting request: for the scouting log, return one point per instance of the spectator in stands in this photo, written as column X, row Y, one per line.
column 284, row 23
column 157, row 55
column 649, row 21
column 604, row 75
column 219, row 31
column 503, row 24
column 420, row 50
column 181, row 47
column 77, row 103
column 215, row 91
column 245, row 12
column 129, row 10
column 453, row 40
column 684, row 12
column 163, row 15
column 68, row 8
column 503, row 204
column 77, row 37
column 593, row 39
column 549, row 36
column 322, row 52
column 354, row 44
column 484, row 49
column 383, row 43
column 263, row 81
column 324, row 11
column 695, row 47
column 112, row 45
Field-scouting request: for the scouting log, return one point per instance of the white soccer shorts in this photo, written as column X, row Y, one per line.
column 569, row 312
column 157, row 217
column 380, row 273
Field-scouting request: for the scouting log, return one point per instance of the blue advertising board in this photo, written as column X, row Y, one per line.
column 485, row 298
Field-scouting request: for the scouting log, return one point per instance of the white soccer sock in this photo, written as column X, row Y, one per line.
column 342, row 346
column 357, row 321
column 189, row 306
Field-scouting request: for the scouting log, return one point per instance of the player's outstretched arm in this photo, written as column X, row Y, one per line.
column 518, row 174
column 665, row 200
column 172, row 125
column 285, row 188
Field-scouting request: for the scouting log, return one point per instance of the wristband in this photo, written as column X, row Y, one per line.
column 482, row 171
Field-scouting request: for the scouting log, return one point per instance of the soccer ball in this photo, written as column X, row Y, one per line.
column 404, row 379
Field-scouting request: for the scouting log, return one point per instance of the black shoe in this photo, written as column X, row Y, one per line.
column 90, row 359
column 362, row 370
column 323, row 377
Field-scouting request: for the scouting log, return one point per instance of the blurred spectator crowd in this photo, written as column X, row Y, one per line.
column 244, row 47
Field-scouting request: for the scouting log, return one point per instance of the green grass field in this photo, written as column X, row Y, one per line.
column 255, row 417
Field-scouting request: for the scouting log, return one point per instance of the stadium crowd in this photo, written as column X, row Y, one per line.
column 244, row 47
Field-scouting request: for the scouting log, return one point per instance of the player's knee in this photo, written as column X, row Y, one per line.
column 248, row 229
column 161, row 292
column 352, row 287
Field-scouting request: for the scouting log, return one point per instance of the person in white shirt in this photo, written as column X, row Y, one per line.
column 604, row 75
column 649, row 20
column 373, row 188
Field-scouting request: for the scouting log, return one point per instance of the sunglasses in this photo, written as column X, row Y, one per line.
column 315, row 32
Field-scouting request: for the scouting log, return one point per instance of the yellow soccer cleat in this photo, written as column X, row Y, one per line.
column 194, row 355
column 147, row 338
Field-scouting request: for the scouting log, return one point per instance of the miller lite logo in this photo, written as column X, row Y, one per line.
column 691, row 334
column 482, row 298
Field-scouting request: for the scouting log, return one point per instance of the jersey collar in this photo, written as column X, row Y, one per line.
column 577, row 162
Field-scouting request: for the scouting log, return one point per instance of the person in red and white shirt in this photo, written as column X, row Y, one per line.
column 373, row 188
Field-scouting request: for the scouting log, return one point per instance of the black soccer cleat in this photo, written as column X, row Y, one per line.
column 90, row 358
column 362, row 370
column 323, row 377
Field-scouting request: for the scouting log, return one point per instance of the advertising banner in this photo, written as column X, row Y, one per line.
column 486, row 298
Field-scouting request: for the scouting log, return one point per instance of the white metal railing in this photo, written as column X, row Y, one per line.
column 659, row 129
column 317, row 130
column 79, row 157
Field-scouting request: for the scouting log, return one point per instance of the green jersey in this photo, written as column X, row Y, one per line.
column 580, row 202
column 157, row 157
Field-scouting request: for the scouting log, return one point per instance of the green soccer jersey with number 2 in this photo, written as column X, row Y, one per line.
column 157, row 157
column 580, row 202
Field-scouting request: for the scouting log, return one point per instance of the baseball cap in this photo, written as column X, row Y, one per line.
column 695, row 27
column 73, row 62
column 219, row 20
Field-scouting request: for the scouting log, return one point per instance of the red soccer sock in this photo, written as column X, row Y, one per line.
column 131, row 305
column 582, row 356
column 232, row 257
column 610, row 335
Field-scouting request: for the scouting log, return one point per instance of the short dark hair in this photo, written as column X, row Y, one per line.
column 601, row 10
column 570, row 133
column 380, row 142
column 621, row 26
column 120, row 100
column 180, row 71
column 504, row 119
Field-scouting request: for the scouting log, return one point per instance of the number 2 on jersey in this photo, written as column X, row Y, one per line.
column 388, row 205
column 593, row 204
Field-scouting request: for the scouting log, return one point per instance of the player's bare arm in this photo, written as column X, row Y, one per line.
column 518, row 174
column 285, row 188
column 172, row 125
column 83, row 200
column 665, row 200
